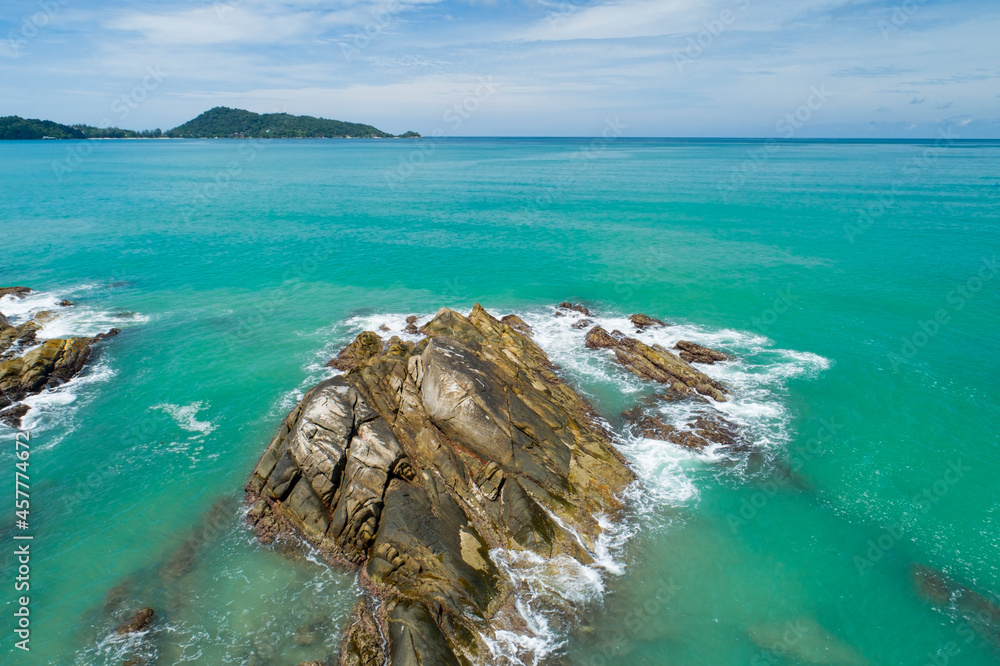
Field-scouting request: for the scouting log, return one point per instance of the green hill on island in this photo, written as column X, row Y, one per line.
column 15, row 127
column 223, row 122
column 218, row 123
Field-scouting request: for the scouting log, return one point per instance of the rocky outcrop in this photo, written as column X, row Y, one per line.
column 517, row 324
column 656, row 363
column 411, row 326
column 702, row 432
column 642, row 322
column 419, row 462
column 28, row 367
column 693, row 353
column 16, row 292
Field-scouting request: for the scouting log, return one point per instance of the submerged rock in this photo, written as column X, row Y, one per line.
column 642, row 322
column 421, row 460
column 803, row 641
column 978, row 611
column 138, row 621
column 693, row 353
column 656, row 363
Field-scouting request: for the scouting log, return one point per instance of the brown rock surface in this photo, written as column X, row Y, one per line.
column 423, row 458
column 693, row 353
column 365, row 346
column 655, row 363
column 642, row 322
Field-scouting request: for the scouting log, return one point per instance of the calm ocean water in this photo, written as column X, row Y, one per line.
column 854, row 282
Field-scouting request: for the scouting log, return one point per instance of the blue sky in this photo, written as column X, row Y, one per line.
column 812, row 68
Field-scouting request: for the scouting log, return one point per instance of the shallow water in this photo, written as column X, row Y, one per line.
column 236, row 269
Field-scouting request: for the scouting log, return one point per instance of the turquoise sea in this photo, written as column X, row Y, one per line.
column 854, row 283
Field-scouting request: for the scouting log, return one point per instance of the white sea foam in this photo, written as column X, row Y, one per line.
column 186, row 417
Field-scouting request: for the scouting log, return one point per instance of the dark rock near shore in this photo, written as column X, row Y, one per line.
column 642, row 322
column 363, row 643
column 566, row 305
column 13, row 416
column 656, row 363
column 422, row 459
column 693, row 353
column 65, row 303
column 366, row 346
column 411, row 326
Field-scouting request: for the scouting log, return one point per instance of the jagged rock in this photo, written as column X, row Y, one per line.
column 693, row 353
column 642, row 322
column 411, row 325
column 705, row 430
column 566, row 305
column 583, row 323
column 366, row 346
column 419, row 461
column 978, row 611
column 65, row 303
column 138, row 621
column 517, row 324
column 16, row 292
column 655, row 363
column 384, row 328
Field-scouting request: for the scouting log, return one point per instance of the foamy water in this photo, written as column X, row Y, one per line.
column 58, row 405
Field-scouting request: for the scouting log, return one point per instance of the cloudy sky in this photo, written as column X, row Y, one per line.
column 841, row 68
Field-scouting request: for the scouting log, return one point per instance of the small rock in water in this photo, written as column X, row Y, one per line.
column 583, row 323
column 384, row 328
column 65, row 303
column 642, row 322
column 693, row 353
column 566, row 305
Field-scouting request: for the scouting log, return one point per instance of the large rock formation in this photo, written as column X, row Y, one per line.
column 28, row 367
column 420, row 461
column 656, row 363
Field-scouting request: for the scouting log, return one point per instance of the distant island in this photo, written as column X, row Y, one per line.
column 218, row 123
